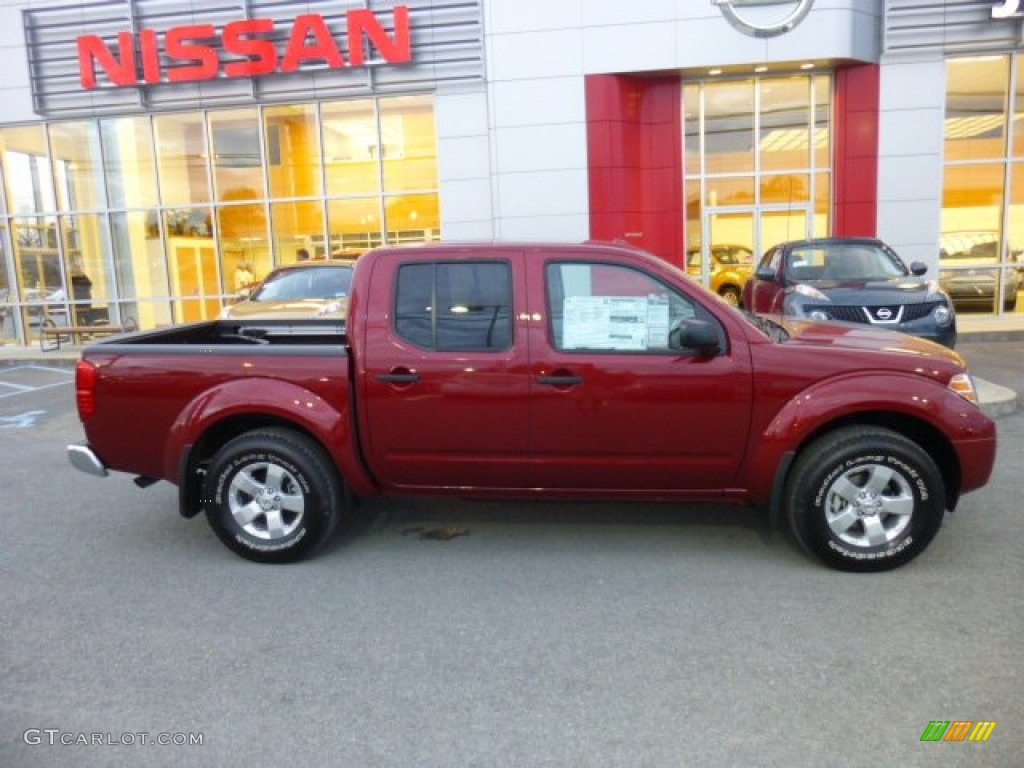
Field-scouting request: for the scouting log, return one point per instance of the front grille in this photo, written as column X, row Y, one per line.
column 859, row 314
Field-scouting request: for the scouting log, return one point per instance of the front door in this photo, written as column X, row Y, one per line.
column 612, row 406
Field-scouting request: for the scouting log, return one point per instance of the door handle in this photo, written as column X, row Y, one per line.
column 560, row 380
column 396, row 377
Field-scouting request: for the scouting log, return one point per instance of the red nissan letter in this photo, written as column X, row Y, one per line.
column 92, row 49
column 177, row 48
column 323, row 48
column 393, row 51
column 261, row 54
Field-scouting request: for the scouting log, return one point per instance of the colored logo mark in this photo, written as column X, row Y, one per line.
column 958, row 730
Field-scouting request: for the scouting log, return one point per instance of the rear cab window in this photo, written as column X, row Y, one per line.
column 455, row 306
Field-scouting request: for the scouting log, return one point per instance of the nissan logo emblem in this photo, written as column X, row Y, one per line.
column 729, row 10
column 884, row 314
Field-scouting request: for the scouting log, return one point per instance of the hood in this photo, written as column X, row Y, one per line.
column 287, row 310
column 894, row 290
column 863, row 338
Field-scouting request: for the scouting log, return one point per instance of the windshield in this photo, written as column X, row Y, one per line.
column 843, row 261
column 306, row 283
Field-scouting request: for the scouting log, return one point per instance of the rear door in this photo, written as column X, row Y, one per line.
column 444, row 371
column 612, row 407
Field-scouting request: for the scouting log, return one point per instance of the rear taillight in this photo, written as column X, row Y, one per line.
column 86, row 375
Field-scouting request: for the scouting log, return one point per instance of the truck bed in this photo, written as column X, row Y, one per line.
column 228, row 333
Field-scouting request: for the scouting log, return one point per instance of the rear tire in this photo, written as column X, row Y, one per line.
column 272, row 495
column 864, row 499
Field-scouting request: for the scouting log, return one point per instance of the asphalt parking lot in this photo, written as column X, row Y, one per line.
column 548, row 635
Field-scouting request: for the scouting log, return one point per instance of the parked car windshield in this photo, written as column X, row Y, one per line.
column 327, row 282
column 843, row 261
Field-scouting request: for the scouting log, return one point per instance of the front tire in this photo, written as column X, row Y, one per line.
column 864, row 499
column 272, row 495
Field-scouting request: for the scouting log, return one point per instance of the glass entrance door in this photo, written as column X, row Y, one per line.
column 736, row 238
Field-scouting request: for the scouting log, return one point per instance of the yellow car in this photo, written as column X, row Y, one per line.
column 731, row 267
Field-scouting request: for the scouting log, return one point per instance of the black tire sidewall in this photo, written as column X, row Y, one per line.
column 297, row 456
column 825, row 463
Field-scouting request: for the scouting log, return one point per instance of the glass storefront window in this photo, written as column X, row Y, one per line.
column 129, row 161
column 785, row 124
column 408, row 144
column 8, row 303
column 77, row 166
column 88, row 271
column 765, row 162
column 789, row 188
column 351, row 148
column 822, row 140
column 182, row 159
column 354, row 226
column 295, row 226
column 691, row 129
column 156, row 219
column 730, row 190
column 822, row 204
column 412, row 218
column 237, row 154
column 140, row 267
column 244, row 245
column 976, row 95
column 729, row 127
column 292, row 139
column 27, row 171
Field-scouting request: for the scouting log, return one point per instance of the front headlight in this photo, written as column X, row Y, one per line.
column 963, row 385
column 941, row 315
column 818, row 314
column 810, row 292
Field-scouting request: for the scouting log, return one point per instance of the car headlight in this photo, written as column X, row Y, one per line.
column 810, row 292
column 941, row 315
column 963, row 385
column 818, row 314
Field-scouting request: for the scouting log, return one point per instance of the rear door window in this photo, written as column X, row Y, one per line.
column 455, row 306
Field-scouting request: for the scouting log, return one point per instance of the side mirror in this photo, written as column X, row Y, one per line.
column 695, row 334
column 765, row 273
column 918, row 268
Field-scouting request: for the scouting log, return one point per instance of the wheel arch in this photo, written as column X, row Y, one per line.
column 930, row 439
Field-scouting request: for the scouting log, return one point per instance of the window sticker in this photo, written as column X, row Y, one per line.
column 624, row 323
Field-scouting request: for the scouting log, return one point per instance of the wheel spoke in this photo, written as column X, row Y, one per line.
column 879, row 479
column 245, row 515
column 898, row 505
column 275, row 524
column 845, row 489
column 245, row 482
column 845, row 520
column 293, row 502
column 876, row 533
column 275, row 476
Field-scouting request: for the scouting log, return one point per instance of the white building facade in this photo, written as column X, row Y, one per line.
column 161, row 147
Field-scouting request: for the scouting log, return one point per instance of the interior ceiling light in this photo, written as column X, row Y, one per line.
column 714, row 72
column 808, row 65
column 761, row 69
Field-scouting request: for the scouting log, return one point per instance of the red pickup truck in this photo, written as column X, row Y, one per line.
column 592, row 371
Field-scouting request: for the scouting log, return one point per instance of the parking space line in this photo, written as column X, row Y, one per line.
column 21, row 387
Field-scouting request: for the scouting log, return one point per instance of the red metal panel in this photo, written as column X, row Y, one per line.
column 634, row 146
column 855, row 151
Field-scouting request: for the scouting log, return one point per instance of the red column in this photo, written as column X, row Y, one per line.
column 635, row 160
column 855, row 152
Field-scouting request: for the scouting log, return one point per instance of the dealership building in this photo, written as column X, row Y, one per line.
column 153, row 152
